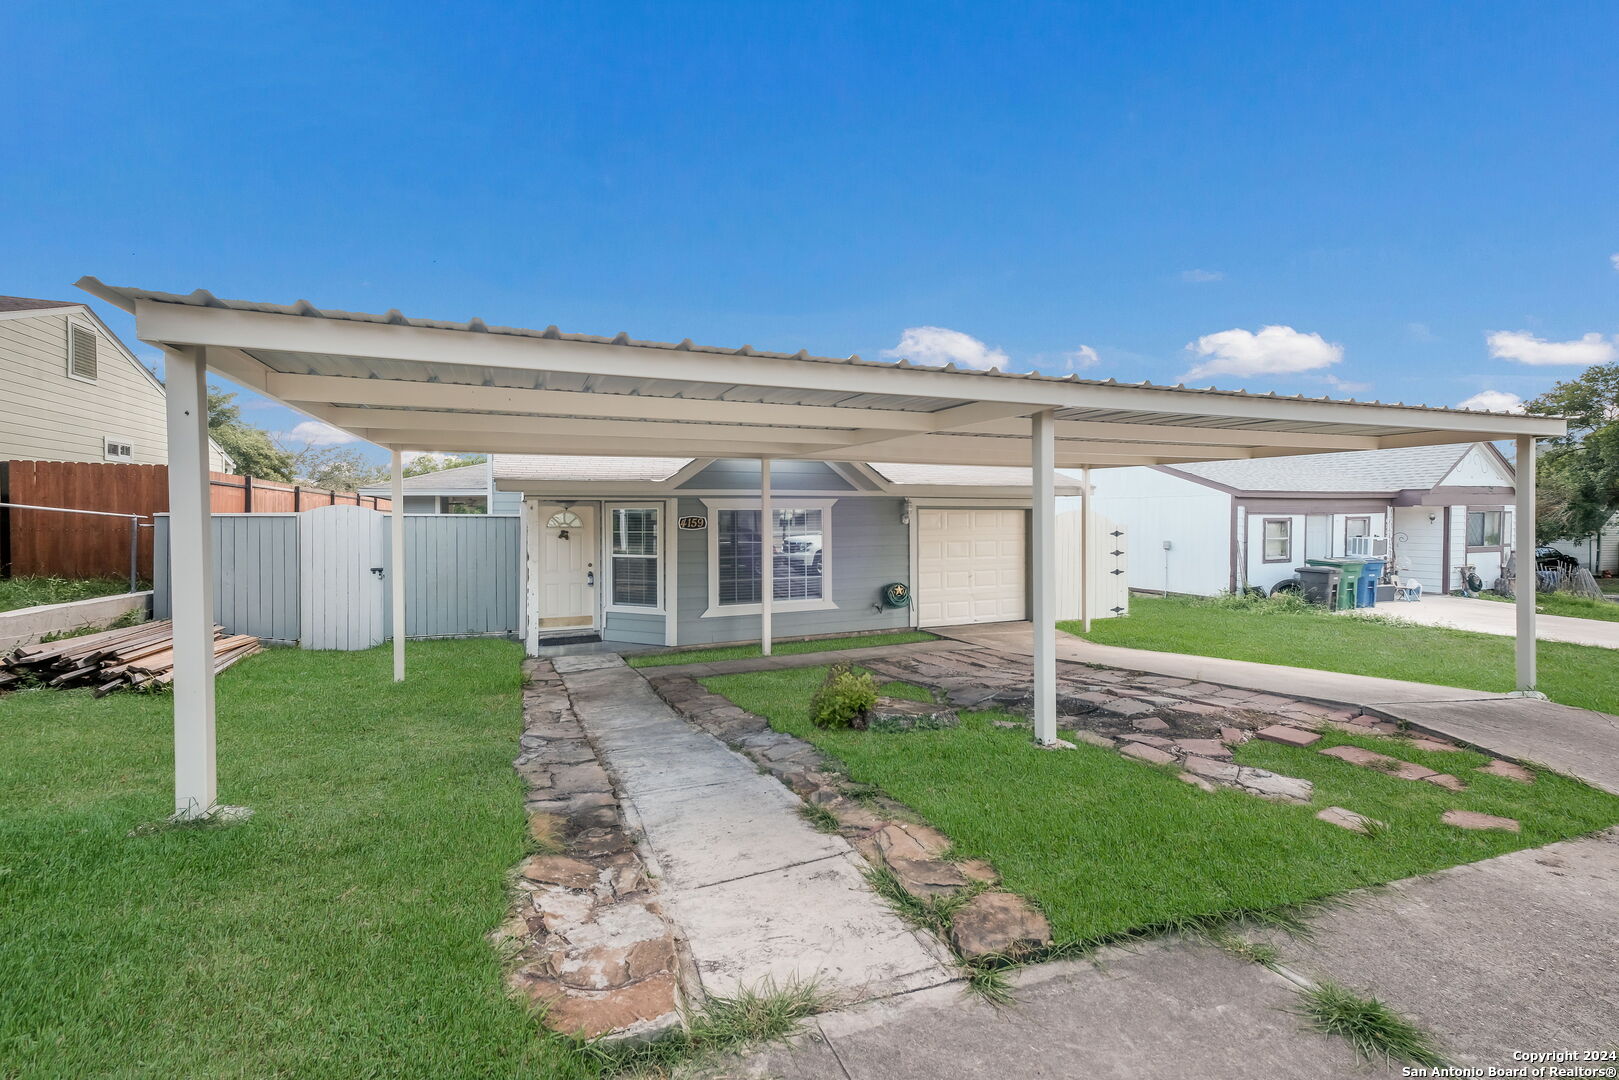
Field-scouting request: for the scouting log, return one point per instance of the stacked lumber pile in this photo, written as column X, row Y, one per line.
column 133, row 657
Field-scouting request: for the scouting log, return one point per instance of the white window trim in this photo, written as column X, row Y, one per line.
column 68, row 329
column 777, row 502
column 662, row 557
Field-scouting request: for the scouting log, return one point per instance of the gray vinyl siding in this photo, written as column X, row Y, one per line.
column 743, row 475
column 870, row 547
column 634, row 628
column 52, row 417
column 507, row 503
column 462, row 575
column 421, row 504
column 255, row 574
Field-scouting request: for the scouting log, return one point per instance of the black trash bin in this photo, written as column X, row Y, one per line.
column 1318, row 582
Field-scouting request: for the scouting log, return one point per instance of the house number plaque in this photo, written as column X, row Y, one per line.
column 694, row 524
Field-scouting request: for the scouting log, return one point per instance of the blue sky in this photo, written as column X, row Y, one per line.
column 1131, row 190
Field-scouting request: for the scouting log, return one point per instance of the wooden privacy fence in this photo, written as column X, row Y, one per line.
column 309, row 577
column 34, row 542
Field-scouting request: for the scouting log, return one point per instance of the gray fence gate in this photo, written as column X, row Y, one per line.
column 462, row 576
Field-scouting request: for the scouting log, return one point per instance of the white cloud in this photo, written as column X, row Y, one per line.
column 937, row 345
column 316, row 433
column 1344, row 386
column 1275, row 350
column 1081, row 358
column 1422, row 332
column 1525, row 348
column 1202, row 277
column 1493, row 401
column 1614, row 258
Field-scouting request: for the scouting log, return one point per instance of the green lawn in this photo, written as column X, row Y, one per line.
column 1107, row 845
column 1572, row 674
column 1576, row 607
column 21, row 592
column 338, row 933
column 780, row 648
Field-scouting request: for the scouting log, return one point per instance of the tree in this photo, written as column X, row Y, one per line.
column 431, row 463
column 1577, row 476
column 340, row 468
column 247, row 446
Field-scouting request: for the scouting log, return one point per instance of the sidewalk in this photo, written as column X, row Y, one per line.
column 1493, row 617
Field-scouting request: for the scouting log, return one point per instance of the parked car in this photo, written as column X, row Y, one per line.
column 1548, row 558
column 802, row 553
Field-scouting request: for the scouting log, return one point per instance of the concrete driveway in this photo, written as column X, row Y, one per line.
column 1494, row 617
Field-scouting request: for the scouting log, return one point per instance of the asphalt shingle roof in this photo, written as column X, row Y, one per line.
column 24, row 303
column 1359, row 470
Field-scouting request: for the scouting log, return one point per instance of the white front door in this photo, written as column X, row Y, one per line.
column 563, row 566
column 970, row 566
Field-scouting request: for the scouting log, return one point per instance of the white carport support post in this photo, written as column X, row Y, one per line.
column 1043, row 522
column 1085, row 549
column 1524, row 546
column 396, row 516
column 767, row 557
column 191, row 583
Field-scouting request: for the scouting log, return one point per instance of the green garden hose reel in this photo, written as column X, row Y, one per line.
column 896, row 594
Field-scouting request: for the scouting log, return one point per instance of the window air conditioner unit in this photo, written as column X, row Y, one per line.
column 1371, row 547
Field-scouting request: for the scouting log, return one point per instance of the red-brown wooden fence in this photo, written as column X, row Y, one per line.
column 37, row 542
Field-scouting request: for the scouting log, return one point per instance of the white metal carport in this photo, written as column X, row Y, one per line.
column 419, row 384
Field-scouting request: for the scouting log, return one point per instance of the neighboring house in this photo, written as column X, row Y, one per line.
column 1212, row 526
column 667, row 550
column 73, row 392
column 1599, row 552
column 465, row 489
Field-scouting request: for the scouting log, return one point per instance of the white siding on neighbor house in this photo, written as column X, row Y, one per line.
column 1479, row 468
column 50, row 416
column 1262, row 574
column 1598, row 552
column 1418, row 545
column 1151, row 507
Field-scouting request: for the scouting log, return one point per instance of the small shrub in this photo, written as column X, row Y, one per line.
column 1287, row 603
column 843, row 699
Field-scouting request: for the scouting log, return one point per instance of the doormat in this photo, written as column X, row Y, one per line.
column 569, row 639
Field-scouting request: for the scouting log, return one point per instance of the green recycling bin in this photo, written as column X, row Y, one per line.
column 1350, row 572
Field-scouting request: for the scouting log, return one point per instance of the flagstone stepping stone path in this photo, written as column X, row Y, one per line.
column 1509, row 771
column 1348, row 819
column 1470, row 819
column 1404, row 770
column 587, row 937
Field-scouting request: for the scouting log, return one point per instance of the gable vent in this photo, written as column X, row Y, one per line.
column 81, row 351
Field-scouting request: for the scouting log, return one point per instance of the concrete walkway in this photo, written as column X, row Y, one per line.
column 756, row 892
column 1494, row 617
column 1578, row 742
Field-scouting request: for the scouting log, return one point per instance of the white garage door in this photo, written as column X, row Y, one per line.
column 969, row 566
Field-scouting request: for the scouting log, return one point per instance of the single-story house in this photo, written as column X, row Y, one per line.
column 1203, row 527
column 666, row 550
column 465, row 489
column 413, row 384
